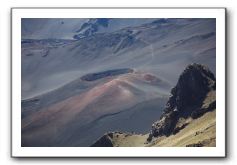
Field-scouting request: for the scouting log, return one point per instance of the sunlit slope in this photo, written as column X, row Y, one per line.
column 200, row 132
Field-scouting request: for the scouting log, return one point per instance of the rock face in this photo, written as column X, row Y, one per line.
column 186, row 100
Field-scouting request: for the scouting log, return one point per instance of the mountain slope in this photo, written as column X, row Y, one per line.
column 188, row 118
column 113, row 74
column 74, row 119
column 73, row 28
column 199, row 133
column 161, row 48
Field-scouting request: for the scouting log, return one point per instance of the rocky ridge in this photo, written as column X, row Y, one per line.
column 186, row 100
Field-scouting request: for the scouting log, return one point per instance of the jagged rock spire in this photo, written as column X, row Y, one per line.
column 186, row 99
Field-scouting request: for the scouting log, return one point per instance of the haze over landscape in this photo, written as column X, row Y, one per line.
column 83, row 78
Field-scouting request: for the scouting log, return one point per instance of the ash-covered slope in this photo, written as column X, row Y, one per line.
column 162, row 47
column 188, row 115
column 80, row 112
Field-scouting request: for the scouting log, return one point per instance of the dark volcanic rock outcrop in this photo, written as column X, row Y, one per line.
column 99, row 75
column 186, row 100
